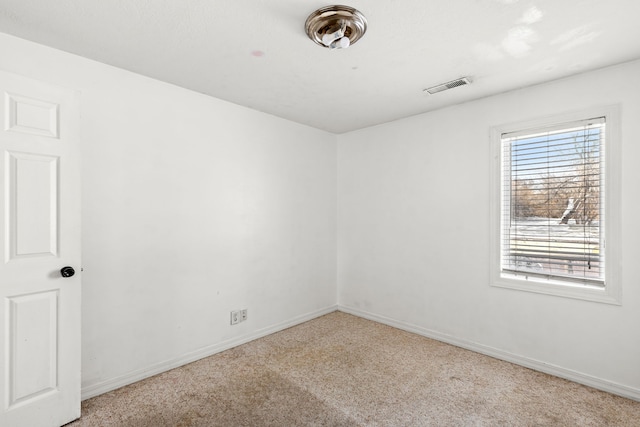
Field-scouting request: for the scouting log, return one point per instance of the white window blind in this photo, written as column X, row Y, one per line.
column 552, row 203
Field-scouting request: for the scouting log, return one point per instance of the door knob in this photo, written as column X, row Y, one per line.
column 67, row 271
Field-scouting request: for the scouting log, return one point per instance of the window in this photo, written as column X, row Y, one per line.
column 554, row 208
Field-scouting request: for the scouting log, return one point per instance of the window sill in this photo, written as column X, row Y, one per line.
column 557, row 288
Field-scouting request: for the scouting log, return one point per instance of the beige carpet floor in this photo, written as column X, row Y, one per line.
column 341, row 370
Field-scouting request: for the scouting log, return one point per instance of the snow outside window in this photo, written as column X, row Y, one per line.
column 551, row 204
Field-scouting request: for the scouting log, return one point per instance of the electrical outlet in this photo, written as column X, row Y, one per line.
column 238, row 316
column 235, row 317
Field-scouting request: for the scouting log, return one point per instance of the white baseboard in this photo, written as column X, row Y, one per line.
column 588, row 380
column 101, row 387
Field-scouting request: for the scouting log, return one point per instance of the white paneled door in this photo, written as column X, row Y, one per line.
column 39, row 254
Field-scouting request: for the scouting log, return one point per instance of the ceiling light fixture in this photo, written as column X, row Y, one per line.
column 336, row 27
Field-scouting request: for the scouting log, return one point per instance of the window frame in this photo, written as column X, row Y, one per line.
column 611, row 292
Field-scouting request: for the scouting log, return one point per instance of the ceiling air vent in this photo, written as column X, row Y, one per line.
column 449, row 85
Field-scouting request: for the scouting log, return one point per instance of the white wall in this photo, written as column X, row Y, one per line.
column 413, row 235
column 192, row 207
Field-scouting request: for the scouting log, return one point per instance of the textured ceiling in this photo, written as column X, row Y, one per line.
column 255, row 52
